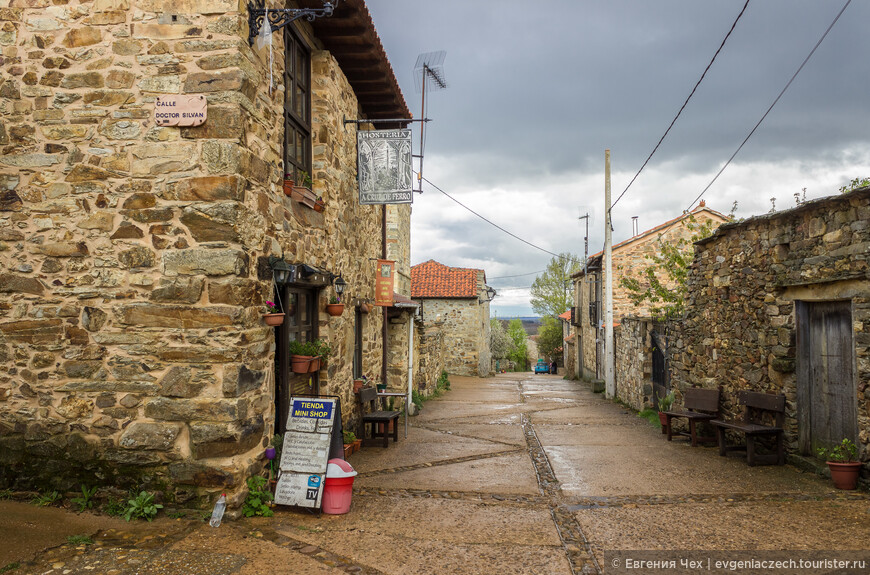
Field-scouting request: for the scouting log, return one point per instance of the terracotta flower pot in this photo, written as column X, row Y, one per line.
column 844, row 475
column 335, row 309
column 304, row 363
column 273, row 319
column 348, row 449
column 358, row 385
column 357, row 445
column 319, row 204
column 288, row 187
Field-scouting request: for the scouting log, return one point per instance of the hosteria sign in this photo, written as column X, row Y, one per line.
column 384, row 159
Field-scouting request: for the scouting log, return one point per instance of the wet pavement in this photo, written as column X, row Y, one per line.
column 516, row 474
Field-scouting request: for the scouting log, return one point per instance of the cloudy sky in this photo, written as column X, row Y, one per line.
column 538, row 90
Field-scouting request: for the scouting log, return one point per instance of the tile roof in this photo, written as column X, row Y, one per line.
column 435, row 280
column 566, row 316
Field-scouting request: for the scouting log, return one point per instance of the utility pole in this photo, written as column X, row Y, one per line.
column 609, row 368
column 578, row 313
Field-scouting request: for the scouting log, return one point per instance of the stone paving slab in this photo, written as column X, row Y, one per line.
column 454, row 410
column 620, row 470
column 588, row 414
column 509, row 473
column 629, row 433
column 422, row 445
column 774, row 525
column 499, row 434
column 412, row 536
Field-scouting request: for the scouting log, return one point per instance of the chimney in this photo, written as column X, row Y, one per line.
column 702, row 204
column 634, row 229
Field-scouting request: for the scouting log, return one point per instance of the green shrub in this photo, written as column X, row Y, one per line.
column 349, row 436
column 444, row 380
column 115, row 507
column 141, row 506
column 86, row 501
column 318, row 347
column 843, row 452
column 257, row 498
column 46, row 499
column 417, row 400
column 79, row 540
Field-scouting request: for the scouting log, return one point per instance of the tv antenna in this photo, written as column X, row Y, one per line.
column 428, row 75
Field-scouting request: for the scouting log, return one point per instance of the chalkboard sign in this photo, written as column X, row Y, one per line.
column 306, row 450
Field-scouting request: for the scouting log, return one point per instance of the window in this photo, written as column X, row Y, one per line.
column 297, row 105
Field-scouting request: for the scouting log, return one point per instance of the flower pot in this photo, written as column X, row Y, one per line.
column 663, row 419
column 348, row 449
column 304, row 363
column 319, row 204
column 389, row 429
column 381, row 386
column 357, row 445
column 335, row 309
column 358, row 385
column 304, row 195
column 273, row 319
column 844, row 475
column 288, row 187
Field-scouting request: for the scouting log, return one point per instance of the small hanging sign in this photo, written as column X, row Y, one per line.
column 175, row 110
column 384, row 283
column 384, row 166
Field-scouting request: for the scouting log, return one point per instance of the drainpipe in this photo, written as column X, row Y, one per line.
column 384, row 331
column 410, row 368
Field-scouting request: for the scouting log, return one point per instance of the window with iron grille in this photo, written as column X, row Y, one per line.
column 297, row 105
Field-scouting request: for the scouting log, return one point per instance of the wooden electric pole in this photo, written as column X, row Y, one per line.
column 609, row 368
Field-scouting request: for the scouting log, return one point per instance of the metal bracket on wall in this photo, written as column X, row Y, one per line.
column 280, row 17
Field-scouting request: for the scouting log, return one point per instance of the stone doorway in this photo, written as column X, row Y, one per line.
column 826, row 404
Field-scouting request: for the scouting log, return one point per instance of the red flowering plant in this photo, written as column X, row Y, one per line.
column 271, row 307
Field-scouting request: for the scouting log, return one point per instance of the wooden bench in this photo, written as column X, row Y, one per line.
column 368, row 397
column 701, row 406
column 756, row 408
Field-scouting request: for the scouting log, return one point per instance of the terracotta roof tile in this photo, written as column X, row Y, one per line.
column 566, row 316
column 435, row 280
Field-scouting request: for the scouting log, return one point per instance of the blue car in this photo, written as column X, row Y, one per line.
column 542, row 367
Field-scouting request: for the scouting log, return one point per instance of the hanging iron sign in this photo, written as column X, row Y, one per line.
column 384, row 160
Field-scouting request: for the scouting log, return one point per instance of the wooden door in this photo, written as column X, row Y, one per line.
column 827, row 406
column 300, row 324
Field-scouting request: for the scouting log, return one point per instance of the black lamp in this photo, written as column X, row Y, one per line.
column 339, row 284
column 284, row 273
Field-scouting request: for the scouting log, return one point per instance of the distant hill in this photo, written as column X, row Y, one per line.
column 531, row 324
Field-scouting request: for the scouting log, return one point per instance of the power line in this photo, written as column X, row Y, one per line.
column 495, row 225
column 698, row 83
column 517, row 275
column 798, row 71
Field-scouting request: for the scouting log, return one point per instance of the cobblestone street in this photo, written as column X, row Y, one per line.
column 516, row 474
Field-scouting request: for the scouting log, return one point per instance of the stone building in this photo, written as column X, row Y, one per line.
column 456, row 300
column 780, row 303
column 629, row 260
column 137, row 257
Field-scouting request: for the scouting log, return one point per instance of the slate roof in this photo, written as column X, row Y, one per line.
column 435, row 280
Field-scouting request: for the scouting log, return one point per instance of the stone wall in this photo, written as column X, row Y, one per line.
column 131, row 346
column 399, row 245
column 739, row 331
column 429, row 359
column 632, row 348
column 460, row 321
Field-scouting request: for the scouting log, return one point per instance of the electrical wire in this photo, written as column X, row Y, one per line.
column 495, row 225
column 692, row 93
column 798, row 71
column 517, row 275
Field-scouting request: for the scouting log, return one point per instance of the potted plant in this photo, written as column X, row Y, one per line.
column 334, row 308
column 319, row 204
column 273, row 315
column 350, row 442
column 358, row 383
column 665, row 403
column 306, row 356
column 841, row 460
column 302, row 190
column 288, row 184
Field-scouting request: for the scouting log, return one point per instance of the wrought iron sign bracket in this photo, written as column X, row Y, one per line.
column 280, row 17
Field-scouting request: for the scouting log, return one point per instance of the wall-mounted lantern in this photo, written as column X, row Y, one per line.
column 283, row 272
column 339, row 284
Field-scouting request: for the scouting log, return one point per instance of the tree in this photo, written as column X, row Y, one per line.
column 518, row 353
column 665, row 287
column 550, row 338
column 500, row 343
column 551, row 291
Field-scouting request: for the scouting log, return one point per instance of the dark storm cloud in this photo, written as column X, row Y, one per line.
column 538, row 90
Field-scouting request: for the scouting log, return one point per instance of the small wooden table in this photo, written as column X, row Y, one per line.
column 385, row 394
